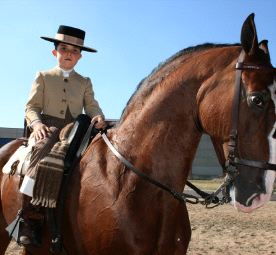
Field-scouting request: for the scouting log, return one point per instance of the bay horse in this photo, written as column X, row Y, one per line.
column 111, row 210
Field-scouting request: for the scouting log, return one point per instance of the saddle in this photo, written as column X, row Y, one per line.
column 80, row 136
column 47, row 172
column 76, row 142
column 20, row 159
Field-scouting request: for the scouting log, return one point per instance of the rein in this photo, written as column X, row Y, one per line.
column 182, row 197
column 177, row 195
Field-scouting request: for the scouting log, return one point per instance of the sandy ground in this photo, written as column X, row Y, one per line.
column 223, row 230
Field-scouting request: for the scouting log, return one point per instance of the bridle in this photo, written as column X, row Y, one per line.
column 233, row 159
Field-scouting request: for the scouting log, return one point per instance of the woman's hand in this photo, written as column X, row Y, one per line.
column 40, row 131
column 99, row 122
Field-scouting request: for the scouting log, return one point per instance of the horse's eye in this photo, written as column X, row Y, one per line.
column 257, row 100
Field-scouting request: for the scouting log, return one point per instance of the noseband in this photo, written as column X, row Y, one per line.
column 233, row 159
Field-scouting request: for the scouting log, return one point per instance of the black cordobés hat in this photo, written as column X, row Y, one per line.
column 70, row 35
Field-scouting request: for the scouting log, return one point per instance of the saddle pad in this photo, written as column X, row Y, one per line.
column 16, row 161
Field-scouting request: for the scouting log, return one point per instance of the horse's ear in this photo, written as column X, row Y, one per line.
column 249, row 39
column 263, row 45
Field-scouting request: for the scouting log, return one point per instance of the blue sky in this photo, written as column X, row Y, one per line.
column 132, row 37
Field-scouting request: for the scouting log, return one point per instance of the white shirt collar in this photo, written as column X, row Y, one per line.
column 65, row 73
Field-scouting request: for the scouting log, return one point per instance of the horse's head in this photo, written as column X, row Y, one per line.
column 253, row 184
column 244, row 123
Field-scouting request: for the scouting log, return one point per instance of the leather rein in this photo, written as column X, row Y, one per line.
column 231, row 164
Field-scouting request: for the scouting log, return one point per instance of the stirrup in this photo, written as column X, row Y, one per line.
column 14, row 226
column 30, row 233
column 24, row 240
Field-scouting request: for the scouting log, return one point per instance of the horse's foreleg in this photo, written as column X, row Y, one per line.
column 183, row 233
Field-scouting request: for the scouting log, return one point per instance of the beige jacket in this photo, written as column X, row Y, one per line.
column 51, row 94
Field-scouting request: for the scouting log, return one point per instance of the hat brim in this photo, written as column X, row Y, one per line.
column 60, row 41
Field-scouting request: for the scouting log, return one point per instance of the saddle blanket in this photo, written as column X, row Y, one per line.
column 17, row 164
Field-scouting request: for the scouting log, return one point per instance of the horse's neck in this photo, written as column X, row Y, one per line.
column 158, row 129
column 162, row 137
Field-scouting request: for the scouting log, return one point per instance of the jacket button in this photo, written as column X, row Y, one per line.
column 61, row 112
column 63, row 100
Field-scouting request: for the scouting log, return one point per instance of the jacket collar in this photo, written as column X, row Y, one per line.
column 57, row 70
